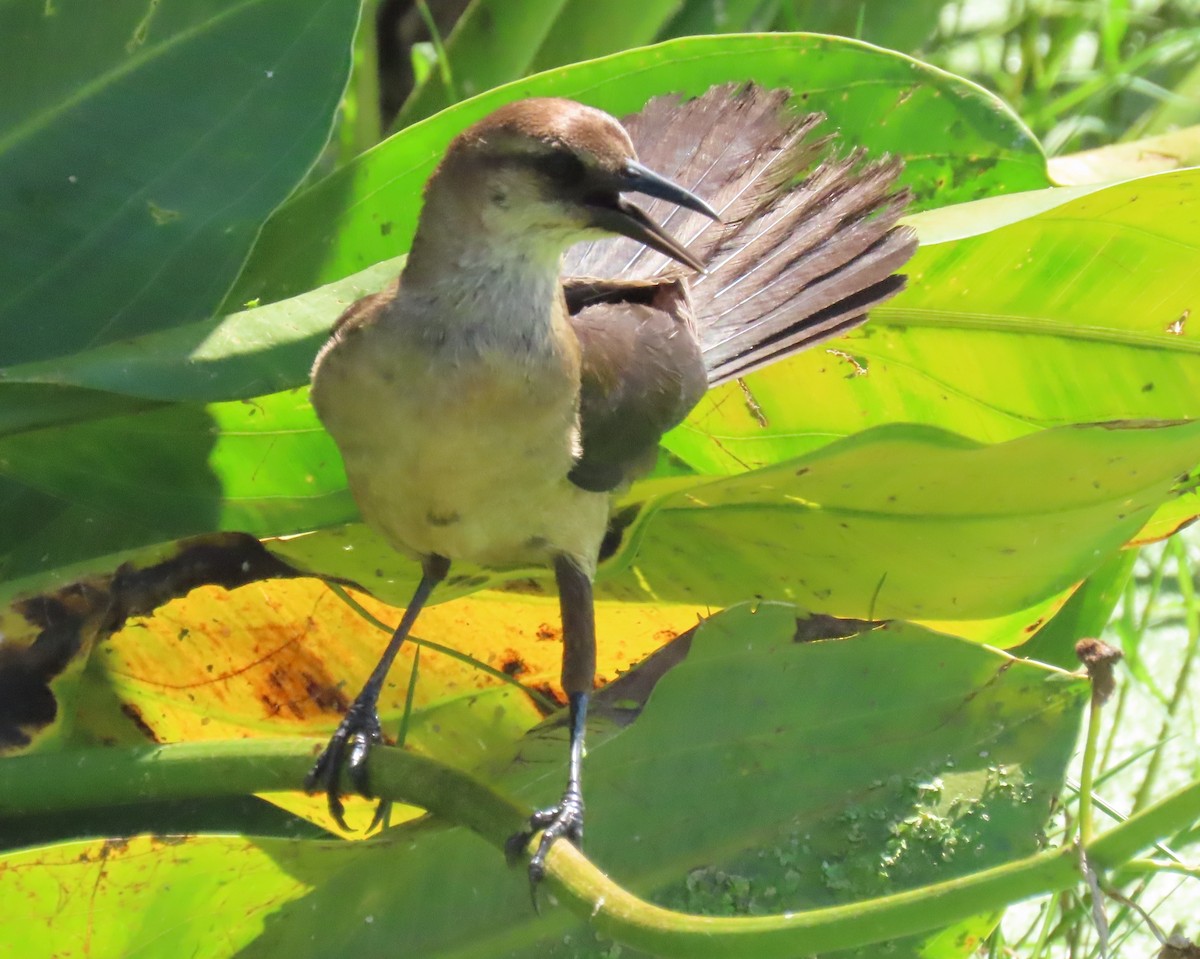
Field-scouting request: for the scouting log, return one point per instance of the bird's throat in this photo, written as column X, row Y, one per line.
column 486, row 294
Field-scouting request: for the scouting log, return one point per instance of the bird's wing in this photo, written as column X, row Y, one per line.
column 808, row 240
column 641, row 373
column 363, row 311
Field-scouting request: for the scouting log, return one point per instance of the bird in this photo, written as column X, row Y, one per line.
column 546, row 331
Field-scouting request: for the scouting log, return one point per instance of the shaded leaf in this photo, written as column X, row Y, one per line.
column 141, row 147
column 83, row 496
column 247, row 354
column 492, row 43
column 585, row 30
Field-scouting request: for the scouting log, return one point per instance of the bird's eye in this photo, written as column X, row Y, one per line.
column 562, row 168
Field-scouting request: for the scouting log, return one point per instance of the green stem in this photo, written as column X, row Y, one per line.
column 1154, row 867
column 1087, row 779
column 443, row 61
column 1184, row 573
column 1132, row 640
column 61, row 781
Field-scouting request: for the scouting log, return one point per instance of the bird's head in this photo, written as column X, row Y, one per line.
column 556, row 172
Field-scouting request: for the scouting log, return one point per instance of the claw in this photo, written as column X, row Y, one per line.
column 348, row 747
column 383, row 815
column 564, row 820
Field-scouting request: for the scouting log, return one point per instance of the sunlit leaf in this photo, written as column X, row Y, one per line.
column 897, row 521
column 765, row 773
column 1122, row 161
column 1078, row 313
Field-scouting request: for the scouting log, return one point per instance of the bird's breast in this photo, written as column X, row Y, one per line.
column 463, row 455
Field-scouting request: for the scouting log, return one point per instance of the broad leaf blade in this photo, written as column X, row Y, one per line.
column 897, row 521
column 911, row 522
column 141, row 147
column 1078, row 313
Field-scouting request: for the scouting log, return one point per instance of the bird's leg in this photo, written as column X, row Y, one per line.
column 360, row 728
column 578, row 675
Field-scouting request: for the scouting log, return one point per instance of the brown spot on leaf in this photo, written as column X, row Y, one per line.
column 134, row 715
column 512, row 664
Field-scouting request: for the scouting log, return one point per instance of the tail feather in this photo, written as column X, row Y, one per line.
column 807, row 240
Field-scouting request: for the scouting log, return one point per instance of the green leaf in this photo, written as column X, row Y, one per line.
column 897, row 521
column 1073, row 308
column 1123, row 161
column 899, row 26
column 703, row 16
column 141, row 147
column 959, row 142
column 1085, row 614
column 103, row 487
column 912, row 522
column 250, row 353
column 493, row 42
column 586, row 30
column 166, row 891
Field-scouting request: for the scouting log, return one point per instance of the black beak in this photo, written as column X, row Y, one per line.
column 626, row 219
column 641, row 179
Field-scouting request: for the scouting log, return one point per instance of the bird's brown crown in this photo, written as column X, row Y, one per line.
column 548, row 126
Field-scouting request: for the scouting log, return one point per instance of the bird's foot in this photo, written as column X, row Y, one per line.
column 563, row 820
column 358, row 731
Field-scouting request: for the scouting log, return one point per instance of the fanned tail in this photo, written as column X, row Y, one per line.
column 807, row 241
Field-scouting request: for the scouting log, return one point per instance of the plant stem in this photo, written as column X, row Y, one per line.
column 1192, row 618
column 49, row 781
column 1087, row 777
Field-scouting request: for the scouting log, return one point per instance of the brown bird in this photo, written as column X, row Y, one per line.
column 487, row 408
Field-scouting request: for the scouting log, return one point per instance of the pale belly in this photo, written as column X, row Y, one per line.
column 466, row 463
